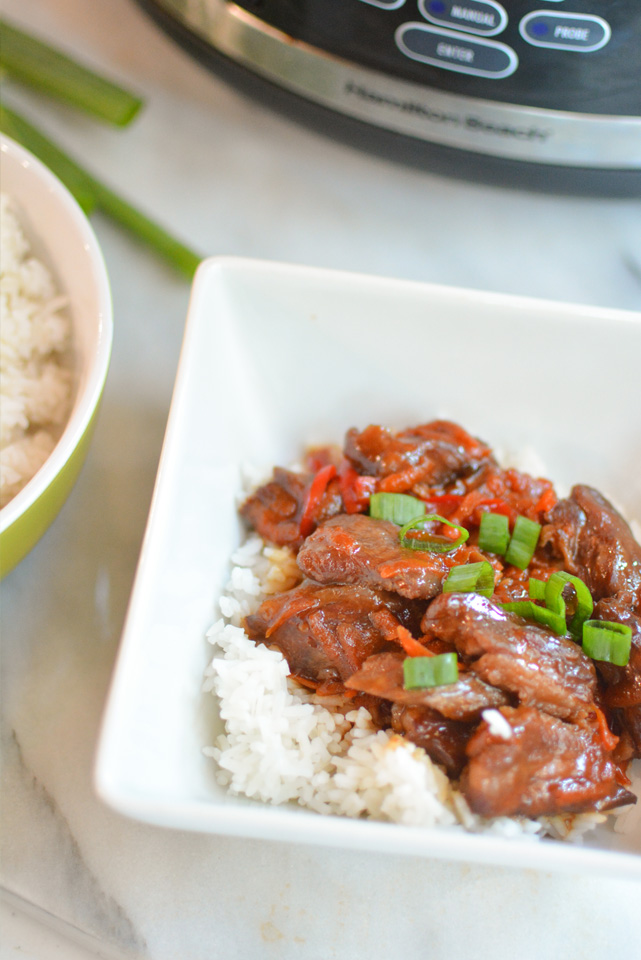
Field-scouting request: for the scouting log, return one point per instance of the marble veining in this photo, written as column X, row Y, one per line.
column 632, row 262
column 56, row 875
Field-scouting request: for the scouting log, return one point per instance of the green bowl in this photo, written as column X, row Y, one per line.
column 61, row 236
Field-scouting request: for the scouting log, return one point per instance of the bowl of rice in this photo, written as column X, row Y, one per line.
column 56, row 333
column 207, row 730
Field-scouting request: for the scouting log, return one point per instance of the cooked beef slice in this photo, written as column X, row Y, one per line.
column 275, row 509
column 433, row 453
column 443, row 740
column 324, row 632
column 546, row 767
column 382, row 676
column 622, row 693
column 541, row 668
column 356, row 548
column 597, row 545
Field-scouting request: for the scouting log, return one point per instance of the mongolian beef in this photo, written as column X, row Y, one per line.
column 470, row 611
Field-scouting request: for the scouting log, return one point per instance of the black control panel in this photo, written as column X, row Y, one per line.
column 576, row 55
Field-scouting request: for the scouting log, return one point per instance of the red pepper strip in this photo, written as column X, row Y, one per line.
column 355, row 489
column 608, row 739
column 546, row 501
column 473, row 500
column 497, row 506
column 443, row 498
column 319, row 457
column 315, row 494
column 444, row 503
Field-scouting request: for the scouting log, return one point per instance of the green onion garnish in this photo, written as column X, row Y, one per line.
column 536, row 589
column 553, row 619
column 604, row 640
column 494, row 533
column 470, row 578
column 420, row 673
column 584, row 604
column 397, row 507
column 52, row 72
column 525, row 537
column 429, row 542
column 91, row 194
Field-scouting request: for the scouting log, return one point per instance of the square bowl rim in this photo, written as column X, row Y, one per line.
column 263, row 820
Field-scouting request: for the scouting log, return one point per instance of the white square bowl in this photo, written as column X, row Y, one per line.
column 276, row 357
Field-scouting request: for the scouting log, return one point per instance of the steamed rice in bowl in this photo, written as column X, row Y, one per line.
column 283, row 743
column 36, row 380
column 57, row 331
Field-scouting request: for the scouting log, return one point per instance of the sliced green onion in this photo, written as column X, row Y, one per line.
column 429, row 543
column 470, row 578
column 397, row 507
column 584, row 603
column 37, row 64
column 604, row 640
column 494, row 533
column 91, row 194
column 536, row 589
column 420, row 673
column 525, row 537
column 532, row 611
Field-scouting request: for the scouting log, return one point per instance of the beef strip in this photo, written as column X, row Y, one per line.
column 623, row 684
column 546, row 767
column 354, row 548
column 541, row 668
column 434, row 453
column 379, row 710
column 324, row 632
column 626, row 723
column 382, row 676
column 276, row 508
column 443, row 740
column 622, row 693
column 597, row 545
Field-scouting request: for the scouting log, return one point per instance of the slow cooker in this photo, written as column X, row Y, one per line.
column 534, row 93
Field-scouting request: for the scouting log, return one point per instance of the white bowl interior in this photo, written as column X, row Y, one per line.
column 61, row 236
column 276, row 357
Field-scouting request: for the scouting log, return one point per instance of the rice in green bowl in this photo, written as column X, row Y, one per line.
column 36, row 380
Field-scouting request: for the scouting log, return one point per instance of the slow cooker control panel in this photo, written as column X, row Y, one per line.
column 455, row 36
column 559, row 54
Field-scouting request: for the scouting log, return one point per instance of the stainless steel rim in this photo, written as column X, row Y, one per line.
column 482, row 126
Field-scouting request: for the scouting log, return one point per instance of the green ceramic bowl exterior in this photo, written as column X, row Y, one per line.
column 73, row 254
column 23, row 534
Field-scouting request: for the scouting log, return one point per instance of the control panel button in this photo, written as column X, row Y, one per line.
column 565, row 31
column 386, row 4
column 456, row 51
column 476, row 16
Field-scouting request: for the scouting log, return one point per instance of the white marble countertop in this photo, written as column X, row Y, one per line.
column 230, row 177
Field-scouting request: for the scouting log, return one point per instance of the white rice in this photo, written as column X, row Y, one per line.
column 35, row 336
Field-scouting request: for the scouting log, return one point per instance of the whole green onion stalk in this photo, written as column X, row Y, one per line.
column 35, row 63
